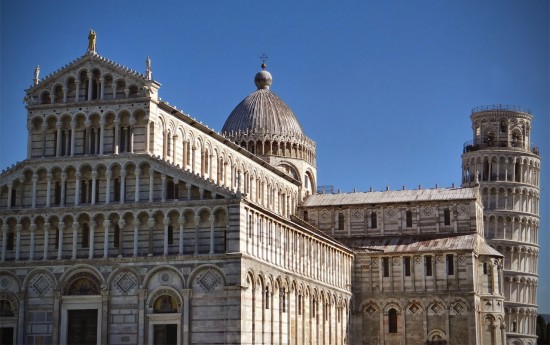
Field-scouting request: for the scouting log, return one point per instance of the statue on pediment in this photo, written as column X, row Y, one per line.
column 91, row 41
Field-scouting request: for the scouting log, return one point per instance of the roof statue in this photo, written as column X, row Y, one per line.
column 36, row 74
column 148, row 71
column 91, row 41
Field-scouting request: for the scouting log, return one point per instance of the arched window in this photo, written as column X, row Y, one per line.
column 447, row 216
column 13, row 197
column 206, row 161
column 392, row 321
column 341, row 220
column 57, row 193
column 117, row 190
column 373, row 220
column 170, row 190
column 56, row 237
column 165, row 304
column 188, row 155
column 409, row 218
column 116, row 236
column 170, row 234
column 85, row 240
column 11, row 241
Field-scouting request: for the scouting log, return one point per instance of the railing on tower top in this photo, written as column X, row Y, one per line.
column 471, row 146
column 507, row 107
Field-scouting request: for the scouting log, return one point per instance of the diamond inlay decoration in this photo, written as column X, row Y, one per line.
column 125, row 283
column 41, row 285
column 428, row 211
column 458, row 308
column 357, row 215
column 463, row 208
column 209, row 280
column 325, row 216
column 391, row 212
column 370, row 310
column 436, row 308
column 414, row 308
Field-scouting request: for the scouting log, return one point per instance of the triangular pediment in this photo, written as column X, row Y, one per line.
column 94, row 66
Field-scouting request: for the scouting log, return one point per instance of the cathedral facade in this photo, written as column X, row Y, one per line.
column 130, row 222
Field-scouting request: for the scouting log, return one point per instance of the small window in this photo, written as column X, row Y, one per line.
column 392, row 321
column 116, row 236
column 386, row 266
column 85, row 236
column 283, row 302
column 305, row 216
column 314, row 308
column 485, row 268
column 450, row 265
column 409, row 218
column 341, row 220
column 266, row 299
column 299, row 304
column 407, row 265
column 117, row 190
column 428, row 265
column 373, row 220
column 11, row 241
column 170, row 234
column 56, row 237
column 13, row 197
column 447, row 216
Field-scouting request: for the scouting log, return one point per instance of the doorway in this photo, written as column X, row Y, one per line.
column 82, row 327
column 6, row 336
column 166, row 334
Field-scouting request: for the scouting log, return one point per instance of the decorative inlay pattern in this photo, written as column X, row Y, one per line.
column 165, row 278
column 370, row 310
column 325, row 215
column 125, row 283
column 417, row 259
column 208, row 281
column 357, row 215
column 436, row 308
column 428, row 211
column 390, row 212
column 41, row 285
column 458, row 308
column 414, row 308
column 463, row 208
column 4, row 282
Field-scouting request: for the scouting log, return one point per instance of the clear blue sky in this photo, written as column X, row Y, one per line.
column 385, row 88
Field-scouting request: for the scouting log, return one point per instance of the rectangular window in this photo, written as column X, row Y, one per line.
column 386, row 266
column 373, row 220
column 409, row 219
column 407, row 265
column 266, row 299
column 428, row 265
column 447, row 216
column 450, row 265
column 341, row 220
column 299, row 304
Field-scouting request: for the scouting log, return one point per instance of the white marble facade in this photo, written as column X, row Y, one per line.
column 132, row 223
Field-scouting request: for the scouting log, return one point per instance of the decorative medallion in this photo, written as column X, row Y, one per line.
column 125, row 283
column 458, row 308
column 439, row 258
column 463, row 208
column 390, row 211
column 436, row 308
column 357, row 215
column 427, row 211
column 5, row 282
column 165, row 278
column 41, row 285
column 208, row 281
column 414, row 308
column 396, row 261
column 370, row 310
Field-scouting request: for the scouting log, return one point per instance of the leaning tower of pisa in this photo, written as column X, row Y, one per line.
column 506, row 164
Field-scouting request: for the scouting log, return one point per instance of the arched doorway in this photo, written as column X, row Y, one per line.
column 81, row 311
column 164, row 317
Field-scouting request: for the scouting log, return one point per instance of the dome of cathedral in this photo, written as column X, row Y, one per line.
column 262, row 112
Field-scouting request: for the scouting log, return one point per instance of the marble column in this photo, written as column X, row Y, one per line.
column 136, row 236
column 92, row 225
column 4, row 241
column 60, row 241
column 212, row 220
column 166, row 223
column 34, row 182
column 137, row 172
column 181, row 224
column 106, row 224
column 46, row 240
column 18, row 241
column 31, row 250
column 75, row 240
column 48, row 189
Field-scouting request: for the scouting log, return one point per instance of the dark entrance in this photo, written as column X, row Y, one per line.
column 6, row 335
column 166, row 334
column 82, row 327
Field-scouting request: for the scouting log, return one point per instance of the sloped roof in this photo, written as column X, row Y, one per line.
column 412, row 244
column 357, row 198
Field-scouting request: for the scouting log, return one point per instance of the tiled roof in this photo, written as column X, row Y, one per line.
column 356, row 198
column 402, row 244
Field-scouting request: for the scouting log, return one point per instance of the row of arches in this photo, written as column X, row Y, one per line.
column 514, row 228
column 502, row 132
column 501, row 168
column 187, row 231
column 521, row 320
column 517, row 199
column 67, row 135
column 290, row 147
column 520, row 258
column 88, row 84
column 285, row 310
column 521, row 290
column 271, row 241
